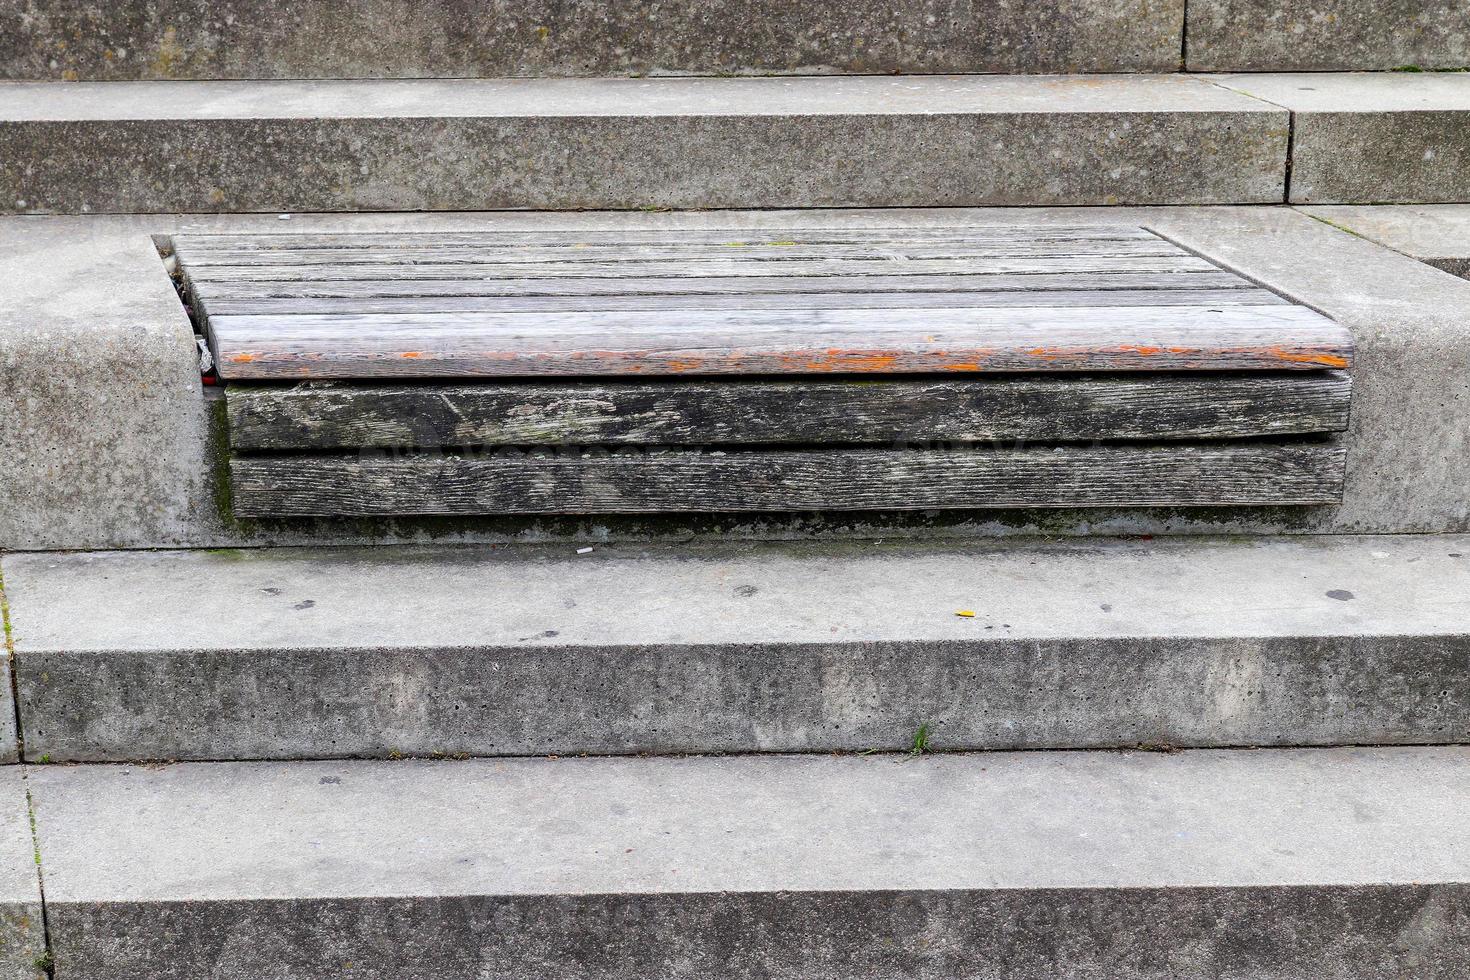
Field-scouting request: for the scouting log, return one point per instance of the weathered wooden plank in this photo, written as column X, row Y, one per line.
column 708, row 267
column 784, row 285
column 479, row 255
column 777, row 342
column 1249, row 473
column 589, row 238
column 752, row 301
column 330, row 416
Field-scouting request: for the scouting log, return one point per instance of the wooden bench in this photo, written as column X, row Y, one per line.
column 604, row 372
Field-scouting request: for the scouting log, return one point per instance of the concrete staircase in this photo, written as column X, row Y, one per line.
column 1113, row 744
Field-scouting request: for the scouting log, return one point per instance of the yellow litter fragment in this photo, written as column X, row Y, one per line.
column 967, row 613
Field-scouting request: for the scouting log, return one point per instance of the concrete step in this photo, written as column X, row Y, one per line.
column 313, row 653
column 1330, row 864
column 1327, row 35
column 1372, row 138
column 635, row 143
column 182, row 39
column 1436, row 234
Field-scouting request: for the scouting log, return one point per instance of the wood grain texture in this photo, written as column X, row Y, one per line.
column 1026, row 339
column 273, row 271
column 747, row 301
column 335, row 416
column 727, row 285
column 634, row 255
column 591, row 238
column 1251, row 473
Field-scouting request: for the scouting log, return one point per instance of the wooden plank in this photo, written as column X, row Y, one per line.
column 754, row 301
column 1250, row 473
column 592, row 238
column 333, row 416
column 479, row 255
column 705, row 268
column 777, row 342
column 783, row 285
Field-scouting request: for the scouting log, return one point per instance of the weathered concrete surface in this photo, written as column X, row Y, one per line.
column 9, row 744
column 162, row 39
column 1372, row 138
column 1438, row 234
column 1279, row 864
column 102, row 420
column 1327, row 35
column 22, row 929
column 145, row 480
column 321, row 653
column 629, row 143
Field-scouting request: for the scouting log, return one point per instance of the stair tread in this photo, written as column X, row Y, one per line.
column 414, row 597
column 994, row 821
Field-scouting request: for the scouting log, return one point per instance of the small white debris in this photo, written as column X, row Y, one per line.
column 584, row 551
column 283, row 217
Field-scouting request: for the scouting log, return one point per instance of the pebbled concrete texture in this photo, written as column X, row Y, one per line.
column 103, row 429
column 204, row 39
column 630, row 143
column 1372, row 138
column 1278, row 864
column 145, row 475
column 22, row 926
column 1327, row 35
column 1438, row 234
column 319, row 653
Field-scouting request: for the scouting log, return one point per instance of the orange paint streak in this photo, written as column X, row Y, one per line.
column 1326, row 360
column 242, row 358
column 412, row 354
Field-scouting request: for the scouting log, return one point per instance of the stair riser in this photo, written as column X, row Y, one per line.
column 180, row 39
column 1000, row 694
column 560, row 162
column 1265, row 932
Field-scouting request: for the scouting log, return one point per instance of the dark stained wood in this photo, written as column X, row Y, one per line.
column 1028, row 339
column 1248, row 473
column 336, row 416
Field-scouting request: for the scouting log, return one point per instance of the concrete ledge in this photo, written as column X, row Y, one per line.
column 1436, row 234
column 71, row 39
column 1327, row 35
column 323, row 654
column 626, row 143
column 1281, row 864
column 22, row 925
column 1372, row 138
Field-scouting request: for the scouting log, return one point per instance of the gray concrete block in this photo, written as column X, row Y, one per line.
column 1372, row 138
column 102, row 420
column 180, row 39
column 1327, row 35
column 629, row 143
column 1438, row 234
column 1278, row 864
column 22, row 927
column 318, row 654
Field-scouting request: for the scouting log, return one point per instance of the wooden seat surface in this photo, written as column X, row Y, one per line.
column 672, row 303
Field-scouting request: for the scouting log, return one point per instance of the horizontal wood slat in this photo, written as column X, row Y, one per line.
column 335, row 416
column 755, row 301
column 592, row 238
column 770, row 342
column 1018, row 283
column 839, row 479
